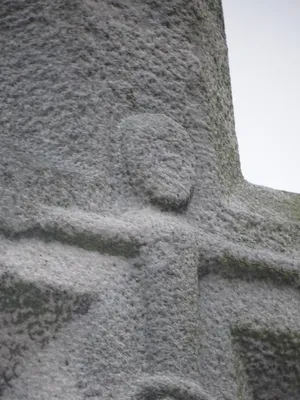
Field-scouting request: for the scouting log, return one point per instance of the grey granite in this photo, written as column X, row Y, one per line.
column 135, row 260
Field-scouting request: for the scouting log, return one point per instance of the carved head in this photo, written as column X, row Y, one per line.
column 159, row 159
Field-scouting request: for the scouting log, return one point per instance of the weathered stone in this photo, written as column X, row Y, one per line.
column 135, row 260
column 159, row 159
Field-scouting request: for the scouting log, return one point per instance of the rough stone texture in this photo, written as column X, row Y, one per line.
column 135, row 260
column 159, row 159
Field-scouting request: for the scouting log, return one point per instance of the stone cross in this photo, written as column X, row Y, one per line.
column 136, row 262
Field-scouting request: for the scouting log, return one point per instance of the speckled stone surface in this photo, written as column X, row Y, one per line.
column 136, row 262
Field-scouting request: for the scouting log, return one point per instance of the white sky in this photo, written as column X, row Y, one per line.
column 263, row 38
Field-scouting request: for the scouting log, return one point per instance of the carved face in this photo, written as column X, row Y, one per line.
column 160, row 159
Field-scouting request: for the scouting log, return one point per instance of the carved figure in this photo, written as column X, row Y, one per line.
column 135, row 260
column 165, row 262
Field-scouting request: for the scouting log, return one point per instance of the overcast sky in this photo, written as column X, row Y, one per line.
column 263, row 38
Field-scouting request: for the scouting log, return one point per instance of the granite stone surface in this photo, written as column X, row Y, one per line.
column 136, row 262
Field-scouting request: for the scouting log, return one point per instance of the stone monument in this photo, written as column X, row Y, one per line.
column 136, row 262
